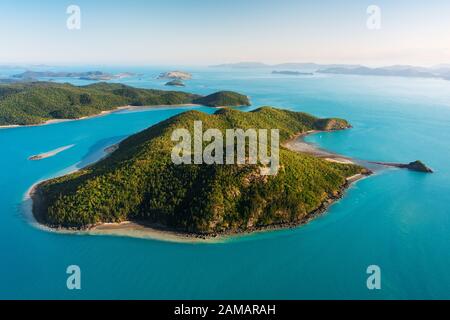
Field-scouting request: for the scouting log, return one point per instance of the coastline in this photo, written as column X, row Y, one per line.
column 298, row 144
column 102, row 113
column 158, row 232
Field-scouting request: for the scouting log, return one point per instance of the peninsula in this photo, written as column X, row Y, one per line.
column 175, row 83
column 34, row 103
column 50, row 153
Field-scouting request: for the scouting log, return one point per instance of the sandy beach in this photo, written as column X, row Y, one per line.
column 49, row 153
column 135, row 230
column 298, row 144
column 123, row 229
column 157, row 232
column 103, row 113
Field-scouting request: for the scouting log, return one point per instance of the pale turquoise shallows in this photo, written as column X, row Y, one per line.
column 397, row 219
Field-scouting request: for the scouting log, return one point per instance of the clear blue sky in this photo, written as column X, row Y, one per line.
column 216, row 31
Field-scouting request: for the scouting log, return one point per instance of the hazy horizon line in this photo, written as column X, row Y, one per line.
column 166, row 64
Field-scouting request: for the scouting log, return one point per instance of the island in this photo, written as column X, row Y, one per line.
column 34, row 103
column 408, row 71
column 14, row 80
column 180, row 75
column 293, row 73
column 437, row 72
column 139, row 183
column 88, row 75
column 175, row 83
column 310, row 66
column 242, row 65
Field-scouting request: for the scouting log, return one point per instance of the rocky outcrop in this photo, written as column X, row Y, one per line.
column 418, row 166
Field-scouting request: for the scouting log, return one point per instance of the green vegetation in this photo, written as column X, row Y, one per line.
column 139, row 182
column 224, row 99
column 176, row 83
column 36, row 102
column 331, row 124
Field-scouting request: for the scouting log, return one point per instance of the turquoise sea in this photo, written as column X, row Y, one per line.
column 396, row 219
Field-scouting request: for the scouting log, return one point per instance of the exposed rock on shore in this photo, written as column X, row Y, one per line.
column 175, row 83
column 414, row 166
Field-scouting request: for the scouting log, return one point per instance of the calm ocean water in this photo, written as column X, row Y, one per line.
column 397, row 219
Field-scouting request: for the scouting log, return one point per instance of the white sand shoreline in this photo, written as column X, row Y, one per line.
column 135, row 230
column 103, row 113
column 124, row 229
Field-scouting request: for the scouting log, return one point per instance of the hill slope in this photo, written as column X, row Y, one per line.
column 36, row 102
column 223, row 99
column 139, row 182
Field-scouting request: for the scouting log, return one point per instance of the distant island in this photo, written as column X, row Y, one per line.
column 37, row 102
column 106, row 76
column 175, row 83
column 138, row 182
column 13, row 80
column 177, row 75
column 392, row 71
column 293, row 73
column 307, row 66
column 417, row 165
column 441, row 71
column 89, row 75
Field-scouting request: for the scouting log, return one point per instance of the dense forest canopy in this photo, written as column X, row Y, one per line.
column 139, row 181
column 36, row 102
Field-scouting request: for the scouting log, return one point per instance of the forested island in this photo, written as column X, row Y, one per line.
column 292, row 73
column 175, row 83
column 86, row 75
column 223, row 99
column 139, row 182
column 37, row 102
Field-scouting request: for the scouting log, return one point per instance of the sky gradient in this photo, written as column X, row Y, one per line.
column 201, row 32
